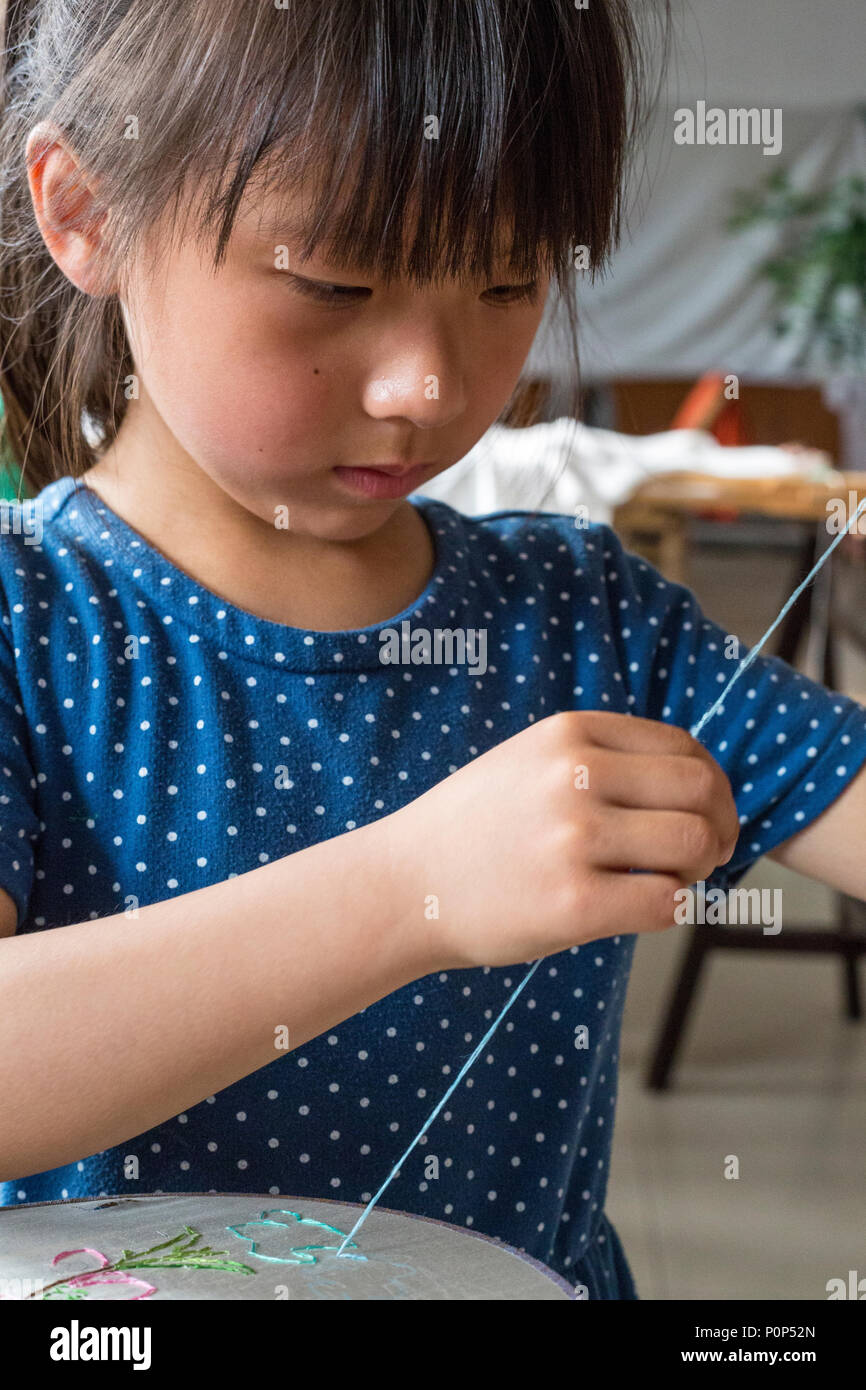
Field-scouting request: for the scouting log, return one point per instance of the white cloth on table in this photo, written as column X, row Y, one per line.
column 562, row 465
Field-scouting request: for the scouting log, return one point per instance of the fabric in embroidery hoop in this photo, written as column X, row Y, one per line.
column 253, row 1246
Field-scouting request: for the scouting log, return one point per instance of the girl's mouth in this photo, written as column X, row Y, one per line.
column 387, row 481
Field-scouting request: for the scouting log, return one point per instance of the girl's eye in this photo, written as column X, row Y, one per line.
column 353, row 294
column 514, row 294
column 329, row 294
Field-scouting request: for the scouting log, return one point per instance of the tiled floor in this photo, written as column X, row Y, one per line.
column 769, row 1072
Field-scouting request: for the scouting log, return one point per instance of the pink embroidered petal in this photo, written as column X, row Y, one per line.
column 91, row 1278
column 85, row 1250
column 96, row 1277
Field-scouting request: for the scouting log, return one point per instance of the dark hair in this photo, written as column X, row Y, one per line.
column 538, row 101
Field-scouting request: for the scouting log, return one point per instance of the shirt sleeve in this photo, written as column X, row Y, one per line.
column 19, row 823
column 788, row 745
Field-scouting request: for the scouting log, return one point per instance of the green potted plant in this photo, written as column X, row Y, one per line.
column 819, row 276
column 819, row 272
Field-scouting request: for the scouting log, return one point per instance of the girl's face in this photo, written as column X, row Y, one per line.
column 272, row 375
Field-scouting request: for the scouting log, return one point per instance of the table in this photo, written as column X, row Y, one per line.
column 664, row 504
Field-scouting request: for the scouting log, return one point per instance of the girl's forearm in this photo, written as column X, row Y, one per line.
column 110, row 1027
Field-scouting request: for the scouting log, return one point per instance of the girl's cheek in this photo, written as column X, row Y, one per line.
column 272, row 422
column 235, row 392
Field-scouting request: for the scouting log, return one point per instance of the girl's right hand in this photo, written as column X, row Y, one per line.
column 526, row 850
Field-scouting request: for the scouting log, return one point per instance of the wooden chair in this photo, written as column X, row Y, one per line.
column 847, row 938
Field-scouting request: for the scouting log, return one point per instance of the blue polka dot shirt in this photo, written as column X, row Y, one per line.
column 156, row 739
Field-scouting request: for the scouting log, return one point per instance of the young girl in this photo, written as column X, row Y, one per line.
column 266, row 269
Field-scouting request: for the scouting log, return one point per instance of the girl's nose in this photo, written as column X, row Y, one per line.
column 428, row 388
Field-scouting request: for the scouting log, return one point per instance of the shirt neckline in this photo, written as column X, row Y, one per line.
column 178, row 598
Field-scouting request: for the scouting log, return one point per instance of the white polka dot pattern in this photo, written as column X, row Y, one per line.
column 157, row 739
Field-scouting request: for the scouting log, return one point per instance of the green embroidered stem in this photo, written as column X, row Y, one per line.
column 179, row 1253
column 201, row 1259
column 40, row 1293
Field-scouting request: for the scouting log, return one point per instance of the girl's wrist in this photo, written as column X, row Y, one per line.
column 409, row 911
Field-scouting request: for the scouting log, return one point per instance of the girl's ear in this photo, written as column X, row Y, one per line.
column 66, row 209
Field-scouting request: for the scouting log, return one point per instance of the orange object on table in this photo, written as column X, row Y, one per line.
column 707, row 408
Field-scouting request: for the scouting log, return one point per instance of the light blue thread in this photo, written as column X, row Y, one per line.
column 303, row 1254
column 747, row 661
column 744, row 664
column 451, row 1089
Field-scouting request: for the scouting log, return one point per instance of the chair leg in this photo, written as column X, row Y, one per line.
column 851, row 982
column 853, row 1009
column 669, row 1038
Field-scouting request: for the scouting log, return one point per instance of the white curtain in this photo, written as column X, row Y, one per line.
column 684, row 295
